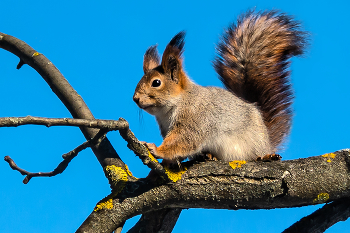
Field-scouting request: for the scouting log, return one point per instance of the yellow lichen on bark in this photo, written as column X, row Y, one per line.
column 329, row 157
column 117, row 177
column 237, row 163
column 174, row 176
column 116, row 173
column 104, row 205
column 128, row 171
column 321, row 198
column 152, row 157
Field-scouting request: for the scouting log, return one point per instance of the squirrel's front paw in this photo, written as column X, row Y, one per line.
column 152, row 148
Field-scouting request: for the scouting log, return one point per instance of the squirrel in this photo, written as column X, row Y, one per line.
column 247, row 120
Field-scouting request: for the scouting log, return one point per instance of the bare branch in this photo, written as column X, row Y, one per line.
column 109, row 125
column 49, row 72
column 165, row 221
column 59, row 169
column 62, row 166
column 20, row 64
column 143, row 153
column 323, row 218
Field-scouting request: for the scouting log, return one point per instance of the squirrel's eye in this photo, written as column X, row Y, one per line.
column 156, row 83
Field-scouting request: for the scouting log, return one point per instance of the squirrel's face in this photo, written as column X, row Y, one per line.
column 164, row 81
column 156, row 92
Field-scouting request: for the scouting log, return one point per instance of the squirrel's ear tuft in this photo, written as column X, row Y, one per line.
column 172, row 56
column 177, row 43
column 151, row 59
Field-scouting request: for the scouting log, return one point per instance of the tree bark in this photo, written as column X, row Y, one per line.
column 323, row 218
column 219, row 185
column 164, row 221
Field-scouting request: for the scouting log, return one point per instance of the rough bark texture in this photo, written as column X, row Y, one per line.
column 218, row 185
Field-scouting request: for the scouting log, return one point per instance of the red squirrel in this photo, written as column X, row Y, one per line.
column 247, row 120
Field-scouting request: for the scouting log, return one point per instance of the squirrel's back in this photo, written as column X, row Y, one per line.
column 253, row 60
column 226, row 126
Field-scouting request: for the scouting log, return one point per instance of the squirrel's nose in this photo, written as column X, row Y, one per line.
column 136, row 99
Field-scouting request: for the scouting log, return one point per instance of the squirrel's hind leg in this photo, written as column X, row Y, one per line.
column 269, row 158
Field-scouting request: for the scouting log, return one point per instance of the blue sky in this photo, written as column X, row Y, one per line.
column 99, row 47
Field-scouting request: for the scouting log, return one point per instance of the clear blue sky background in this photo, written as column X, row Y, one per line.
column 99, row 47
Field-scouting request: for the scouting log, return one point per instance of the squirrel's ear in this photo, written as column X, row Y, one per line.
column 151, row 59
column 172, row 56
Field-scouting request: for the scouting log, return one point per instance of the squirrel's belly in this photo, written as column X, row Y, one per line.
column 229, row 148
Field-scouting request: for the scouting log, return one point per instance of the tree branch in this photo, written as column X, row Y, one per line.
column 164, row 222
column 143, row 153
column 323, row 218
column 50, row 74
column 107, row 125
column 62, row 166
column 234, row 185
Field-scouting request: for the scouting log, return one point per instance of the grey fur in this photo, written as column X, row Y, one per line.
column 221, row 124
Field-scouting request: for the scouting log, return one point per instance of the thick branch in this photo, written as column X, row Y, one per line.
column 49, row 72
column 323, row 218
column 164, row 222
column 218, row 185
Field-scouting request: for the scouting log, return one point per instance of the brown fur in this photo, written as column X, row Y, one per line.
column 151, row 59
column 253, row 61
column 172, row 60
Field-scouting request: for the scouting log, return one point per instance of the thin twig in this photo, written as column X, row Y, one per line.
column 67, row 158
column 30, row 120
column 20, row 64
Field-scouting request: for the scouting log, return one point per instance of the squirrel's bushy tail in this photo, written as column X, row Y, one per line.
column 253, row 60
